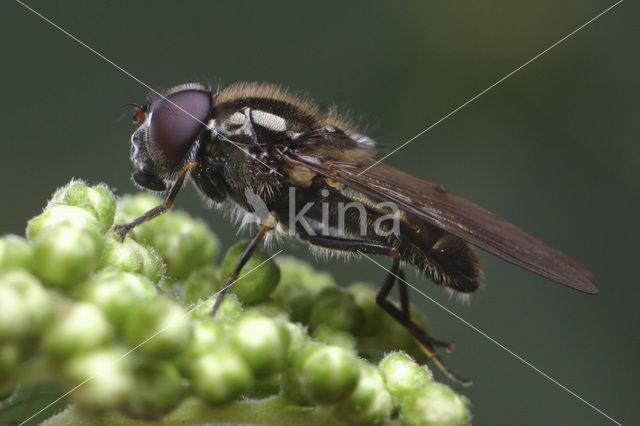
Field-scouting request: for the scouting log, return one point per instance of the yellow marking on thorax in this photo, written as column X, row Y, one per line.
column 332, row 183
column 301, row 175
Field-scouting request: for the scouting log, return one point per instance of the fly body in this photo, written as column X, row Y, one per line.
column 313, row 175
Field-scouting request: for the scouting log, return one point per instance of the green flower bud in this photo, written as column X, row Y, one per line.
column 133, row 206
column 25, row 306
column 329, row 336
column 66, row 255
column 116, row 293
column 230, row 309
column 221, row 375
column 373, row 317
column 253, row 285
column 335, row 308
column 301, row 273
column 97, row 200
column 434, row 405
column 290, row 380
column 208, row 334
column 184, row 243
column 327, row 374
column 370, row 403
column 105, row 376
column 75, row 329
column 104, row 203
column 59, row 214
column 291, row 389
column 200, row 285
column 16, row 252
column 268, row 308
column 403, row 375
column 157, row 389
column 263, row 342
column 75, row 193
column 296, row 300
column 394, row 336
column 298, row 339
column 299, row 286
column 159, row 328
column 130, row 256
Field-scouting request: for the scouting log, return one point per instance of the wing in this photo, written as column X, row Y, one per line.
column 439, row 207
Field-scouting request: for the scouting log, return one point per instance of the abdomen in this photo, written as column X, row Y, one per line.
column 344, row 213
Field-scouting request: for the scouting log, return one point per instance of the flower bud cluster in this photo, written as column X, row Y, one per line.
column 128, row 324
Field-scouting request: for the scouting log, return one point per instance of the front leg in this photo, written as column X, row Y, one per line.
column 122, row 230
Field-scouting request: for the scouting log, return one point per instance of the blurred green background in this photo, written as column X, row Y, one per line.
column 554, row 148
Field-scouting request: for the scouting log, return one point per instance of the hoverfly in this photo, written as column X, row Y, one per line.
column 258, row 139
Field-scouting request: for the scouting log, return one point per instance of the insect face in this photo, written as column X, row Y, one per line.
column 170, row 128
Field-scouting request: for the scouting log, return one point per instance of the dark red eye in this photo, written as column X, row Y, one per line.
column 175, row 123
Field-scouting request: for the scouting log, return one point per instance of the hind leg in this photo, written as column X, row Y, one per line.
column 426, row 342
column 403, row 315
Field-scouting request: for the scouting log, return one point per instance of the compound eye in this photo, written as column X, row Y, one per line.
column 175, row 124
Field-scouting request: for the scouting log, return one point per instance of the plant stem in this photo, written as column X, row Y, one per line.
column 270, row 411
